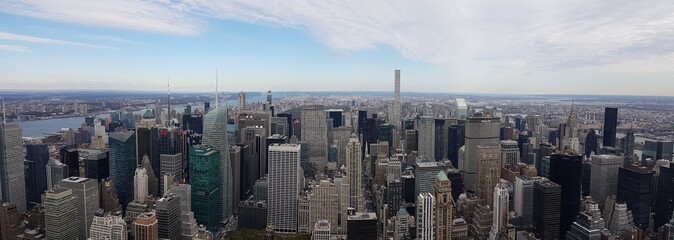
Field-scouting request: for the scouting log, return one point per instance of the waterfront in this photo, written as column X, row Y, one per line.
column 38, row 128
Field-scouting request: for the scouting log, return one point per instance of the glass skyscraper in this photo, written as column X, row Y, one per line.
column 215, row 136
column 122, row 150
column 205, row 181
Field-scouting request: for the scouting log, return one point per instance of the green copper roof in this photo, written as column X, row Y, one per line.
column 403, row 212
column 442, row 176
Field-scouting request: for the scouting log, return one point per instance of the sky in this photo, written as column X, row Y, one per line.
column 612, row 47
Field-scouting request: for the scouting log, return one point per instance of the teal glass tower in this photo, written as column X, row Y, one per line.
column 215, row 136
column 205, row 181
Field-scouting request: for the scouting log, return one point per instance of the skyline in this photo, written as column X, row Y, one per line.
column 557, row 47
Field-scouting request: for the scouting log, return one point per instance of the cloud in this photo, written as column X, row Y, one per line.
column 13, row 48
column 25, row 38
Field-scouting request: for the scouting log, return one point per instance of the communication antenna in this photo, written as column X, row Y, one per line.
column 168, row 101
column 216, row 88
column 4, row 115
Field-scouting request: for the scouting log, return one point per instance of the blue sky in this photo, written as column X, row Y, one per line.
column 482, row 46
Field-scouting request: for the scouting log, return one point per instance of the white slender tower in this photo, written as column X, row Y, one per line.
column 397, row 105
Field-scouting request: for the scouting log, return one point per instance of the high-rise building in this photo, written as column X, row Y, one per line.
column 402, row 221
column 425, row 171
column 657, row 149
column 565, row 170
column 591, row 143
column 457, row 138
column 35, row 167
column 321, row 230
column 524, row 199
column 354, row 172
column 547, row 209
column 337, row 116
column 107, row 226
column 122, row 151
column 425, row 216
column 635, row 187
column 109, row 201
column 97, row 165
column 443, row 207
column 172, row 165
column 10, row 221
column 60, row 214
column 315, row 130
column 604, row 177
column 85, row 192
column 510, row 152
column 610, row 126
column 396, row 108
column 480, row 131
column 499, row 229
column 140, row 185
column 188, row 225
column 12, row 180
column 323, row 203
column 460, row 109
column 168, row 216
column 215, row 136
column 145, row 227
column 482, row 220
column 169, row 142
column 664, row 195
column 628, row 147
column 55, row 172
column 362, row 226
column 426, row 138
column 488, row 160
column 205, row 181
column 284, row 181
column 589, row 224
column 441, row 138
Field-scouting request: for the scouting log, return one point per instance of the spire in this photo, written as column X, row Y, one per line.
column 4, row 114
column 216, row 88
column 168, row 101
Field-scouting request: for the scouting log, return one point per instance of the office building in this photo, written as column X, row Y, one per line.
column 459, row 229
column 337, row 116
column 657, row 149
column 146, row 227
column 171, row 165
column 635, row 188
column 460, row 109
column 215, row 136
column 604, row 177
column 168, row 216
column 401, row 228
column 362, row 226
column 547, row 209
column 60, row 214
column 396, row 108
column 628, row 147
column 354, row 172
column 499, row 228
column 591, row 143
column 188, row 224
column 524, row 199
column 664, row 195
column 86, row 193
column 588, row 225
column 482, row 221
column 441, row 138
column 140, row 185
column 323, row 203
column 107, row 226
column 426, row 137
column 10, row 221
column 55, row 172
column 205, row 181
column 35, row 167
column 443, row 206
column 321, row 230
column 425, row 171
column 620, row 220
column 456, row 139
column 510, row 153
column 610, row 126
column 565, row 170
column 488, row 171
column 123, row 162
column 425, row 216
column 315, row 130
column 12, row 179
column 96, row 165
column 252, row 214
column 284, row 181
column 480, row 131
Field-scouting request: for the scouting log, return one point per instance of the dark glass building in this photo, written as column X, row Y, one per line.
column 635, row 187
column 146, row 138
column 337, row 117
column 71, row 157
column 547, row 210
column 35, row 172
column 362, row 115
column 362, row 226
column 591, row 143
column 97, row 165
column 610, row 126
column 122, row 154
column 457, row 139
column 205, row 181
column 656, row 150
column 565, row 170
column 664, row 199
column 289, row 120
column 193, row 122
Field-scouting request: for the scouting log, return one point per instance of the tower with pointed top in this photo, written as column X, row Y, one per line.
column 215, row 136
column 354, row 172
column 571, row 135
column 443, row 206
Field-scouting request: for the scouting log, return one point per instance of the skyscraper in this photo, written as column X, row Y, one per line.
column 145, row 227
column 547, row 209
column 323, row 203
column 488, row 171
column 362, row 226
column 168, row 216
column 12, row 181
column 426, row 139
column 283, row 180
column 628, row 147
column 565, row 171
column 480, row 131
column 588, row 225
column 396, row 109
column 425, row 171
column 172, row 165
column 55, row 172
column 122, row 151
column 354, row 172
column 524, row 199
column 315, row 130
column 657, row 149
column 510, row 153
column 35, row 172
column 140, row 185
column 188, row 225
column 205, row 181
column 501, row 204
column 215, row 136
column 60, row 208
column 107, row 226
column 635, row 187
column 610, row 126
column 425, row 216
column 604, row 177
column 10, row 221
column 591, row 143
column 170, row 142
column 85, row 192
column 443, row 207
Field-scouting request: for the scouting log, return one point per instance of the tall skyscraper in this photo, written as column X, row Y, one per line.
column 170, row 142
column 425, row 217
column 425, row 171
column 426, row 139
column 610, row 126
column 284, row 181
column 589, row 224
column 510, row 152
column 323, row 203
column 60, row 210
column 635, row 187
column 443, row 207
column 547, row 209
column 140, row 185
column 664, row 196
column 12, row 181
column 55, row 172
column 172, row 165
column 107, row 226
column 145, row 227
column 460, row 109
column 10, row 221
column 499, row 228
column 215, row 136
column 188, row 225
column 168, row 216
column 35, row 172
column 362, row 226
column 656, row 150
column 122, row 150
column 591, row 143
column 604, row 177
column 396, row 109
column 354, row 172
column 524, row 199
column 628, row 147
column 488, row 171
column 315, row 130
column 205, row 181
column 480, row 131
column 85, row 192
column 565, row 171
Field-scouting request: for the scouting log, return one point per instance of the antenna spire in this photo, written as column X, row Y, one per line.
column 4, row 115
column 216, row 88
column 168, row 101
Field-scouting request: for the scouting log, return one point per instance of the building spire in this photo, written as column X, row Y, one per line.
column 4, row 114
column 168, row 101
column 216, row 88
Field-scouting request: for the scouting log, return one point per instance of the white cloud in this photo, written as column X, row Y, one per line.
column 25, row 38
column 13, row 48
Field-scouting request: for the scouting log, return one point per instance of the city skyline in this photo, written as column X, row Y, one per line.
column 477, row 47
